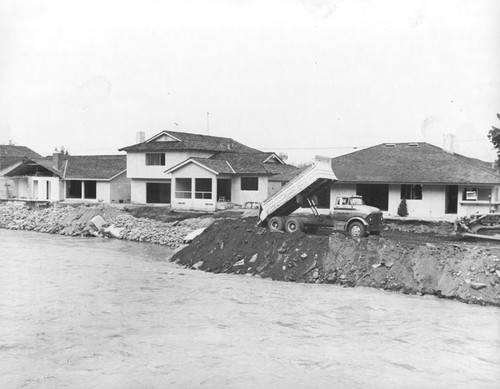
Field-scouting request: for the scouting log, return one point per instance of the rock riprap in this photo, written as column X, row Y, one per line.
column 77, row 221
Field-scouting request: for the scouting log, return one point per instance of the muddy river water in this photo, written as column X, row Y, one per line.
column 92, row 313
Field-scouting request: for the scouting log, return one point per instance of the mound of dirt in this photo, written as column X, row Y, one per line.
column 461, row 271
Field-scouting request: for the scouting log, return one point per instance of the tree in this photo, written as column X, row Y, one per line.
column 403, row 208
column 494, row 137
column 283, row 156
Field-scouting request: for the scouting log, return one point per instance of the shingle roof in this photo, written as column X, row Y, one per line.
column 89, row 167
column 287, row 176
column 10, row 154
column 412, row 163
column 97, row 167
column 218, row 166
column 241, row 163
column 189, row 141
column 31, row 167
column 246, row 163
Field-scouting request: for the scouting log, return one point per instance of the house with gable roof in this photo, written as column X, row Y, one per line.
column 11, row 155
column 194, row 171
column 89, row 178
column 435, row 182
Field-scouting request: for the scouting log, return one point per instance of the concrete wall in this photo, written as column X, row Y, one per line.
column 120, row 189
column 136, row 163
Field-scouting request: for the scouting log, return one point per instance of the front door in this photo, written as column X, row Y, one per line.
column 224, row 189
column 376, row 195
column 451, row 200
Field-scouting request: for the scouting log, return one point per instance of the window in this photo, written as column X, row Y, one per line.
column 89, row 189
column 74, row 189
column 155, row 159
column 249, row 183
column 411, row 192
column 183, row 188
column 476, row 194
column 203, row 188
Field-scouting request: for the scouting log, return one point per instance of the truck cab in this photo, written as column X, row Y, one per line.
column 350, row 213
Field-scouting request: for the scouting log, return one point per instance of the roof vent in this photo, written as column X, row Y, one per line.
column 412, row 144
column 390, row 145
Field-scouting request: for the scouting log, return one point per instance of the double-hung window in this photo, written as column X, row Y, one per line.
column 411, row 191
column 155, row 159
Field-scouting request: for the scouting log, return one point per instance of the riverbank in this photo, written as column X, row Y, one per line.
column 114, row 222
column 447, row 268
column 410, row 258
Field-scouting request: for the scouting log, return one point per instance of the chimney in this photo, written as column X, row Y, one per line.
column 140, row 137
column 58, row 160
column 449, row 143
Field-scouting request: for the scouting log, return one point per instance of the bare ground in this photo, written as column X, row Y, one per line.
column 412, row 258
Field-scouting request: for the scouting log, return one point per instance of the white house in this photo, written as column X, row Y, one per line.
column 195, row 171
column 10, row 156
column 208, row 183
column 91, row 178
column 435, row 183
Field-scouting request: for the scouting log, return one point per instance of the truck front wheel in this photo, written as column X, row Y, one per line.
column 293, row 225
column 276, row 224
column 357, row 230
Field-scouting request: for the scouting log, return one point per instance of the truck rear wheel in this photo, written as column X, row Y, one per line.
column 276, row 224
column 357, row 229
column 293, row 225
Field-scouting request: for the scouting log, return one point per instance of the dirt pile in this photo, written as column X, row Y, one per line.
column 462, row 271
column 77, row 221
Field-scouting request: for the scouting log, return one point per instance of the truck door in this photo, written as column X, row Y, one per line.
column 341, row 212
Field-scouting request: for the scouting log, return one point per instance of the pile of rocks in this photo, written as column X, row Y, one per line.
column 77, row 221
column 153, row 231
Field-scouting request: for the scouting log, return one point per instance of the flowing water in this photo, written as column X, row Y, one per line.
column 92, row 313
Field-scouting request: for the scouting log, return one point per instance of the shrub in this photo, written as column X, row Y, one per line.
column 403, row 208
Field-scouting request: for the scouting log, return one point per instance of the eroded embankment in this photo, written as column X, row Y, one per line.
column 469, row 273
column 77, row 221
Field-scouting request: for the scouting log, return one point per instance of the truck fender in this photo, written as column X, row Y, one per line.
column 360, row 219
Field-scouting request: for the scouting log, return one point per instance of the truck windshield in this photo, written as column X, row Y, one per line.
column 357, row 201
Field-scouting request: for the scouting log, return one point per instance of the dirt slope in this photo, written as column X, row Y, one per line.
column 468, row 272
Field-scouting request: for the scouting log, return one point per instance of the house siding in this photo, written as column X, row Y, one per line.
column 120, row 189
column 137, row 169
column 242, row 197
column 432, row 205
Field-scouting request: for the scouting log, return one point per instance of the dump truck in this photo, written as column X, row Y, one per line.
column 350, row 213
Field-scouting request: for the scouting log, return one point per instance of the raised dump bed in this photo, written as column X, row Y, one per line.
column 306, row 184
column 349, row 214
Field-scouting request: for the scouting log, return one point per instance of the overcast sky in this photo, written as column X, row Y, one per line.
column 300, row 76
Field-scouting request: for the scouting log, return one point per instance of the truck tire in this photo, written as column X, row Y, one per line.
column 357, row 229
column 276, row 224
column 293, row 225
